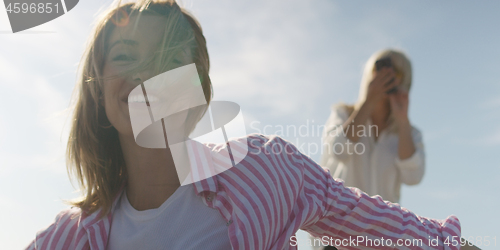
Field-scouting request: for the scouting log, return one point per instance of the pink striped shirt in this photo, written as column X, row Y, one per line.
column 274, row 191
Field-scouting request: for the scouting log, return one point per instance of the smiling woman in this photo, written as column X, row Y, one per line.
column 133, row 198
column 123, row 53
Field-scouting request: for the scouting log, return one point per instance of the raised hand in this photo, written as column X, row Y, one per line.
column 399, row 106
column 382, row 81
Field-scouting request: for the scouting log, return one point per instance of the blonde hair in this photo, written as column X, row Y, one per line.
column 94, row 155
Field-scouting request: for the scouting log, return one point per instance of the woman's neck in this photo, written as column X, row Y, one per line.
column 151, row 174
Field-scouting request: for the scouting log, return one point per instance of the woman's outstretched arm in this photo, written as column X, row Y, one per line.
column 356, row 220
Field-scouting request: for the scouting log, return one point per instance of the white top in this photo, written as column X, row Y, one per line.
column 183, row 221
column 372, row 166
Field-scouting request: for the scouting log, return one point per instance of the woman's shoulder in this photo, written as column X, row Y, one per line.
column 264, row 153
column 255, row 150
column 274, row 166
column 61, row 232
column 67, row 218
column 342, row 108
column 266, row 144
column 339, row 113
column 254, row 141
column 270, row 160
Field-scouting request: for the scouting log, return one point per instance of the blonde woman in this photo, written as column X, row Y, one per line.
column 132, row 196
column 372, row 145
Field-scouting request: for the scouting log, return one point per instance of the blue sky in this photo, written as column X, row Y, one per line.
column 285, row 63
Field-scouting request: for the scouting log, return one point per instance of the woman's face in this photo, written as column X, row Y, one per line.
column 398, row 76
column 127, row 47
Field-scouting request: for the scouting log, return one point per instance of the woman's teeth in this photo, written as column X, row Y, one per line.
column 140, row 98
column 136, row 98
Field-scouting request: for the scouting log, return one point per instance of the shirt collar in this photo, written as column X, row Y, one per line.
column 203, row 165
column 89, row 220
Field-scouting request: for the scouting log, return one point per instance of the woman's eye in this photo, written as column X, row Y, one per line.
column 122, row 57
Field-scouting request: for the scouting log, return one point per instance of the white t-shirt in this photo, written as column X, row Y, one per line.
column 183, row 221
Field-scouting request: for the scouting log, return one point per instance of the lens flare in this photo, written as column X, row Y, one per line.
column 121, row 18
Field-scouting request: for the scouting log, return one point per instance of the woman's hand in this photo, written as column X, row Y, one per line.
column 380, row 84
column 399, row 106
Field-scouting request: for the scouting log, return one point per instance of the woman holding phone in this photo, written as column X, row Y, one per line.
column 133, row 198
column 372, row 145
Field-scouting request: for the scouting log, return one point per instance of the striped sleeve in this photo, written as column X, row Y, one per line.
column 64, row 233
column 350, row 217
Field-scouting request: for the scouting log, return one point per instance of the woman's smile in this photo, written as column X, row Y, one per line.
column 140, row 99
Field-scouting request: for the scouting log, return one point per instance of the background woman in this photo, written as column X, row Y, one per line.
column 372, row 145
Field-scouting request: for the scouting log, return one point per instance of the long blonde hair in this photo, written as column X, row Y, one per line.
column 94, row 155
